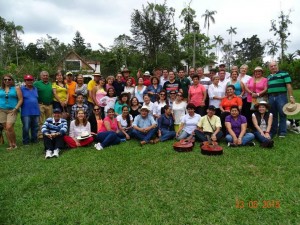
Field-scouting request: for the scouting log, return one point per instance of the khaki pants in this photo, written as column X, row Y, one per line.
column 46, row 112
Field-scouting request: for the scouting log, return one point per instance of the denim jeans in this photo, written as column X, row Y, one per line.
column 260, row 138
column 248, row 137
column 201, row 136
column 277, row 102
column 30, row 123
column 144, row 136
column 122, row 136
column 54, row 143
column 167, row 135
column 108, row 138
column 183, row 135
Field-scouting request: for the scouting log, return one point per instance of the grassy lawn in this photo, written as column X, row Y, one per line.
column 129, row 184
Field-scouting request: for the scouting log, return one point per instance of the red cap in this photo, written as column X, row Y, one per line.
column 28, row 77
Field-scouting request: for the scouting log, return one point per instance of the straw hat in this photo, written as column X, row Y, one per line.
column 262, row 103
column 291, row 109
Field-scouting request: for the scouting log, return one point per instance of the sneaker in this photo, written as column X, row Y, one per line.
column 231, row 145
column 251, row 144
column 48, row 154
column 98, row 146
column 281, row 136
column 122, row 139
column 55, row 153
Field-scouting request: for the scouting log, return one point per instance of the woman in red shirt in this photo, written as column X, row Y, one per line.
column 197, row 95
column 108, row 132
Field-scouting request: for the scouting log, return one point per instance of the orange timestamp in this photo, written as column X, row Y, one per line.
column 254, row 204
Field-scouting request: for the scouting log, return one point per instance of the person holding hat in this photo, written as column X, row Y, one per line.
column 209, row 125
column 144, row 126
column 126, row 76
column 30, row 111
column 290, row 109
column 11, row 100
column 262, row 122
column 54, row 129
column 279, row 91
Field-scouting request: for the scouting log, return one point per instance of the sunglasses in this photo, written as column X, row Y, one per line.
column 179, row 95
column 7, row 79
column 172, row 93
column 96, row 109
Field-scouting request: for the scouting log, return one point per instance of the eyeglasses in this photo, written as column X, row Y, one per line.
column 7, row 79
column 96, row 109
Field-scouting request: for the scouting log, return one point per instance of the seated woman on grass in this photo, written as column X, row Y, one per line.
column 236, row 126
column 188, row 123
column 80, row 131
column 262, row 122
column 125, row 123
column 166, row 125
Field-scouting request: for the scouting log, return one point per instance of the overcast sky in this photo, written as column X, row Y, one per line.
column 101, row 21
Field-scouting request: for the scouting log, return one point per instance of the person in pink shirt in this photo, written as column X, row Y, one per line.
column 108, row 132
column 197, row 95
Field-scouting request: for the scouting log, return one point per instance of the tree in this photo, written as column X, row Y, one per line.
column 231, row 30
column 281, row 30
column 208, row 16
column 187, row 16
column 218, row 41
column 249, row 49
column 273, row 48
column 79, row 45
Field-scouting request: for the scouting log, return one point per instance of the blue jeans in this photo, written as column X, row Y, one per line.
column 260, row 138
column 122, row 136
column 108, row 138
column 277, row 102
column 201, row 136
column 30, row 123
column 183, row 135
column 248, row 137
column 144, row 136
column 167, row 134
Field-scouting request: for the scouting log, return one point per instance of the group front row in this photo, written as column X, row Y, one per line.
column 113, row 130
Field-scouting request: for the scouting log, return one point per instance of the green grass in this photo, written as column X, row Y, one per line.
column 128, row 184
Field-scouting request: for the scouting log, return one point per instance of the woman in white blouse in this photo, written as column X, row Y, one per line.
column 125, row 123
column 159, row 104
column 216, row 93
column 80, row 131
column 179, row 110
column 129, row 88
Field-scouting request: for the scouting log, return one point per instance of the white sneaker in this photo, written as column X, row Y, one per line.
column 98, row 146
column 48, row 154
column 55, row 153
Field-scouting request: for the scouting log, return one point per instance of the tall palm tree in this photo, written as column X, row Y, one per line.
column 273, row 48
column 208, row 16
column 218, row 40
column 231, row 30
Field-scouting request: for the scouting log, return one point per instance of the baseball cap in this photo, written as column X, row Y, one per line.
column 28, row 77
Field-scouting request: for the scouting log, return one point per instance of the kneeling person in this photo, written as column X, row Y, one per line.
column 144, row 126
column 209, row 126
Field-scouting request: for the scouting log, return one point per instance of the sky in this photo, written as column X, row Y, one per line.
column 101, row 21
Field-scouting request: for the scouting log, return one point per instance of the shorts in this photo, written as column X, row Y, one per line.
column 6, row 116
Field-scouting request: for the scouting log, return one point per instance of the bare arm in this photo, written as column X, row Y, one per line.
column 290, row 93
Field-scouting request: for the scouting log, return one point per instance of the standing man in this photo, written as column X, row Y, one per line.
column 45, row 93
column 90, row 87
column 191, row 74
column 71, row 91
column 157, row 73
column 223, row 81
column 30, row 111
column 279, row 91
column 184, row 82
column 126, row 76
column 164, row 78
column 222, row 66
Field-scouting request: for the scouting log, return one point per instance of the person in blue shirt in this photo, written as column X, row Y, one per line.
column 144, row 126
column 30, row 111
column 166, row 125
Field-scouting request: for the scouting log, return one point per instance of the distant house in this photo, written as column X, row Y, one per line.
column 206, row 68
column 74, row 63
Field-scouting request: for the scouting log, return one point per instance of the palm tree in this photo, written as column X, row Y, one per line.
column 208, row 16
column 273, row 48
column 218, row 40
column 231, row 30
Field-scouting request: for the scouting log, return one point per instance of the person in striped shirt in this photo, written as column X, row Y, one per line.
column 280, row 91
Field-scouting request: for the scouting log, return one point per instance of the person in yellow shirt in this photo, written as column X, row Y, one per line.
column 90, row 87
column 209, row 126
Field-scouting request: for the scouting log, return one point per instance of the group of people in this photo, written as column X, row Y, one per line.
column 155, row 108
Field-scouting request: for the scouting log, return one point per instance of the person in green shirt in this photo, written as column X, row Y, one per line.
column 185, row 83
column 45, row 99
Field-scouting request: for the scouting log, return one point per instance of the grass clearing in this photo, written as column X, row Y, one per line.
column 129, row 184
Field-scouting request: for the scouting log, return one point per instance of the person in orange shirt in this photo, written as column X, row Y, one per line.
column 229, row 100
column 71, row 91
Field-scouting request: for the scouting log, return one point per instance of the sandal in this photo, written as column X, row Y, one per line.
column 11, row 147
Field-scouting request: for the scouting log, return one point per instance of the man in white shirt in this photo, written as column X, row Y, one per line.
column 164, row 78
